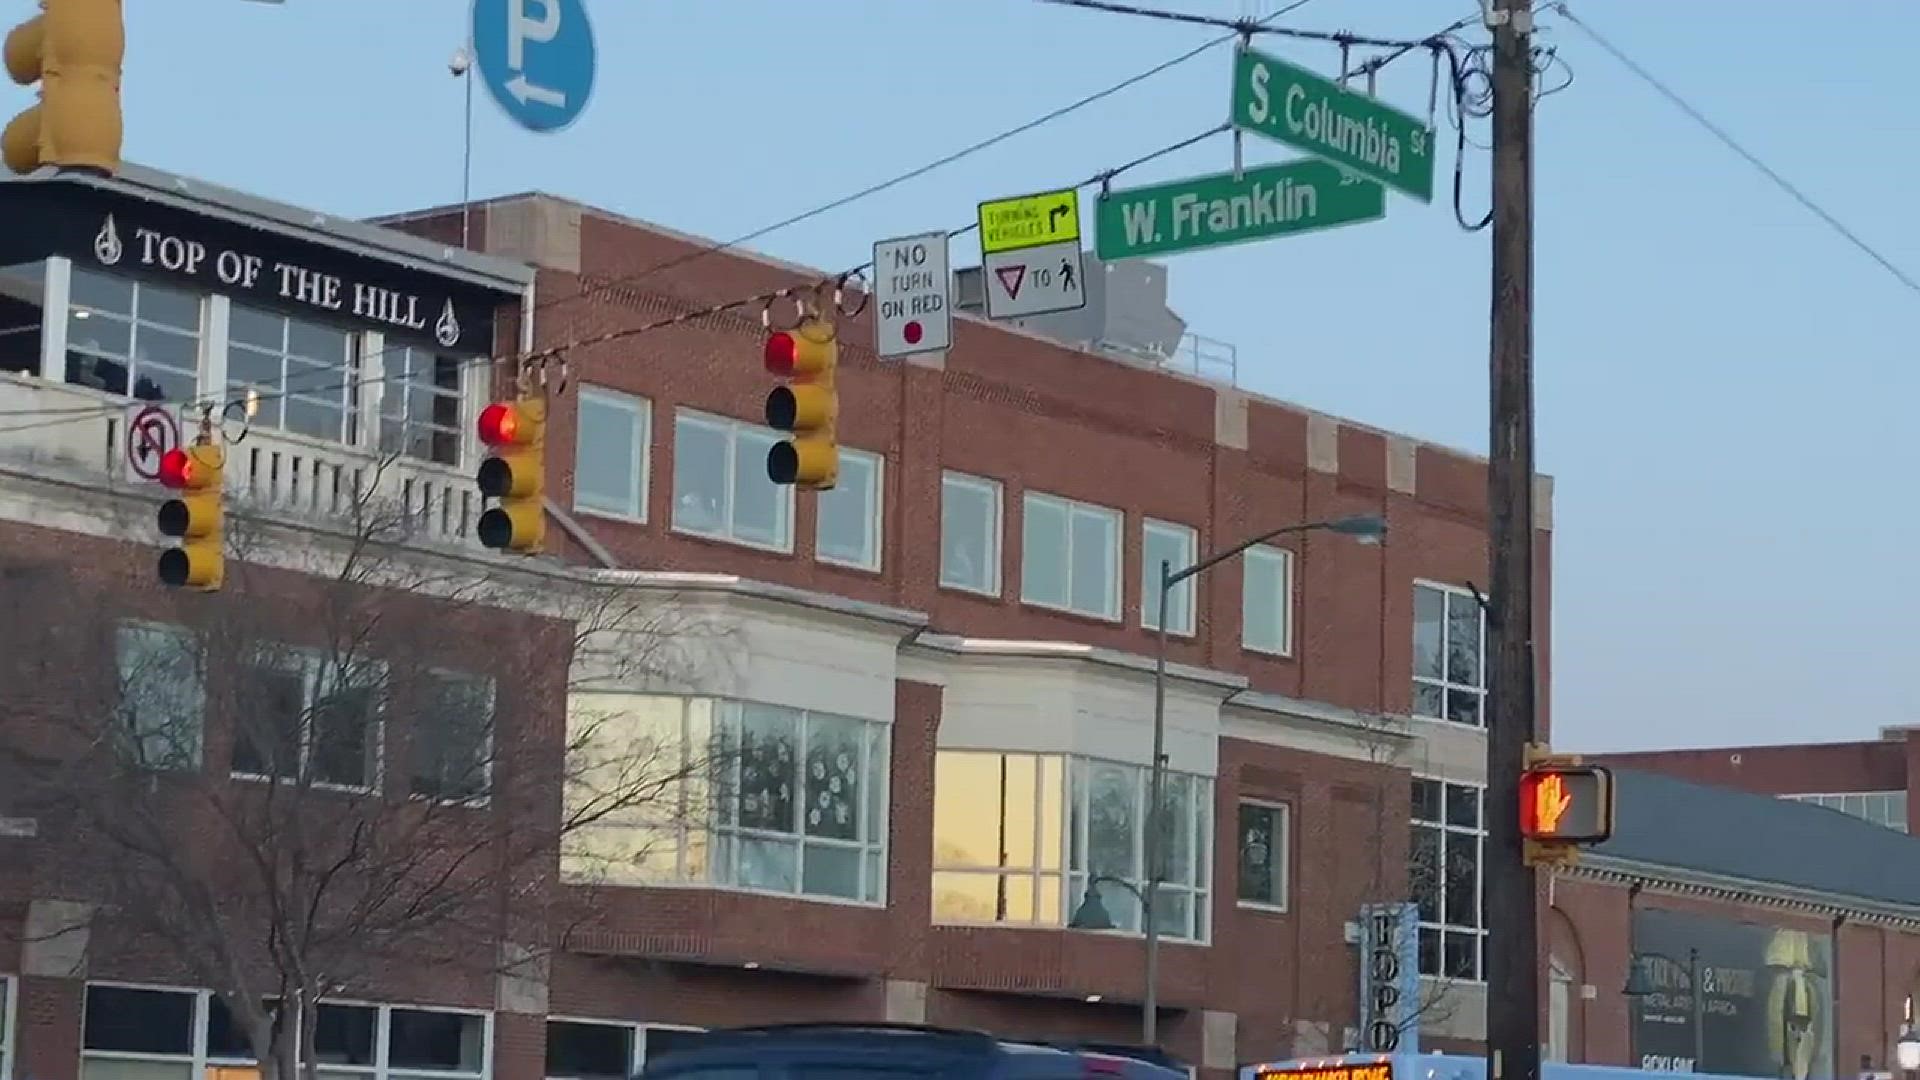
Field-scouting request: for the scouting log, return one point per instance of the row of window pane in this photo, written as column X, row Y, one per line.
column 300, row 718
column 720, row 486
column 607, row 1050
column 1446, row 851
column 1449, row 651
column 1023, row 838
column 164, row 1024
column 1884, row 808
column 144, row 340
column 760, row 797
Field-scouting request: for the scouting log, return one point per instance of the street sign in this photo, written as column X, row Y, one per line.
column 150, row 430
column 910, row 280
column 537, row 58
column 1024, row 221
column 1292, row 105
column 1213, row 211
column 1035, row 280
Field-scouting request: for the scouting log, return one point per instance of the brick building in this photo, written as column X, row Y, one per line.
column 1869, row 779
column 943, row 667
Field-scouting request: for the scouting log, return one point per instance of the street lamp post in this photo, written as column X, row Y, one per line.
column 1367, row 528
column 1640, row 984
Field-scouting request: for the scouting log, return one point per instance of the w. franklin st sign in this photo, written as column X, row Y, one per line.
column 409, row 300
column 1294, row 106
column 1213, row 211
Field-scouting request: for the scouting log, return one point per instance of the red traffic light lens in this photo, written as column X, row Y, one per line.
column 782, row 352
column 176, row 468
column 499, row 423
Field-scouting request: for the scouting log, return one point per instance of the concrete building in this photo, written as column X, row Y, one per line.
column 937, row 678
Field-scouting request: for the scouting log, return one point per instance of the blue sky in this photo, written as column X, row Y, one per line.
column 1724, row 388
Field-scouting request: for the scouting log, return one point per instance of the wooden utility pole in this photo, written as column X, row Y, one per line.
column 1513, row 961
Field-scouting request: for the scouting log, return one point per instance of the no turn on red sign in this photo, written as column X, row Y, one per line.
column 911, row 309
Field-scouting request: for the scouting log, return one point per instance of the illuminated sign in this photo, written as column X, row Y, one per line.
column 1568, row 804
column 1378, row 1070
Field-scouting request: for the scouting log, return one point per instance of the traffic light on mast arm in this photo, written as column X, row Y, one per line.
column 195, row 516
column 515, row 472
column 74, row 50
column 807, row 408
column 1564, row 806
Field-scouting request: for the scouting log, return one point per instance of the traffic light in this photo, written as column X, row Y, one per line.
column 808, row 407
column 515, row 472
column 198, row 560
column 74, row 50
column 1564, row 806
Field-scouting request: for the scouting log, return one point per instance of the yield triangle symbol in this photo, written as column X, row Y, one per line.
column 1010, row 279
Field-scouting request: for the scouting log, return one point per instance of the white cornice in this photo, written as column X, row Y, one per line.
column 1681, row 881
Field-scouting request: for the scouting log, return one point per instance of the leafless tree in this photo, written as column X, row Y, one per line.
column 350, row 761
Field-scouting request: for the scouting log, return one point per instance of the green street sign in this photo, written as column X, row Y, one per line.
column 1212, row 211
column 1292, row 105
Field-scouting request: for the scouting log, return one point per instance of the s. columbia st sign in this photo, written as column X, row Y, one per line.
column 408, row 300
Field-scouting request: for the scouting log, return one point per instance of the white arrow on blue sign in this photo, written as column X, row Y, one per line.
column 537, row 57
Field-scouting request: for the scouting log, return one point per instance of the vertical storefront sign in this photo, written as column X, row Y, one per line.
column 1389, row 979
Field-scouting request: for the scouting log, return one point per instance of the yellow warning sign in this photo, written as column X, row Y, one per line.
column 1025, row 221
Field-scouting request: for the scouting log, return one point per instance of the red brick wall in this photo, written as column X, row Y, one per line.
column 1806, row 769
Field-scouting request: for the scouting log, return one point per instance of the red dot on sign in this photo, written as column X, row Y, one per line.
column 911, row 332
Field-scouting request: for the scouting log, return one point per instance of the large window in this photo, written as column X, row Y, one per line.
column 1070, row 556
column 133, row 338
column 1057, row 841
column 420, row 405
column 451, row 743
column 1449, row 837
column 294, row 376
column 23, row 305
column 848, row 531
column 720, row 483
column 1884, row 808
column 970, row 533
column 607, row 1049
column 1449, row 650
column 144, row 1033
column 741, row 795
column 1174, row 545
column 610, row 454
column 1264, row 845
column 1266, row 600
column 162, row 696
column 307, row 718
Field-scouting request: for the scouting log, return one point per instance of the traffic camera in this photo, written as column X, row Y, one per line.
column 74, row 50
column 514, row 472
column 807, row 408
column 194, row 517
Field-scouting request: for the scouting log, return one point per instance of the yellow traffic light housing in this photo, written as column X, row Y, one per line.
column 808, row 407
column 195, row 516
column 1564, row 806
column 74, row 50
column 516, row 474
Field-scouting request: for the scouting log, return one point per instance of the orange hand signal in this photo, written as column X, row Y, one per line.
column 1550, row 802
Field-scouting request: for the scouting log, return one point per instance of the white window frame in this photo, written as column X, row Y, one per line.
column 1183, row 592
column 381, row 1069
column 1479, row 878
column 639, row 410
column 783, row 493
column 1037, row 872
column 1884, row 800
column 1283, row 829
column 1199, row 890
column 995, row 534
column 485, row 797
column 315, row 675
column 1447, row 686
column 376, row 379
column 9, row 1019
column 54, row 364
column 353, row 380
column 637, row 1049
column 1268, row 553
column 1070, row 507
column 876, row 516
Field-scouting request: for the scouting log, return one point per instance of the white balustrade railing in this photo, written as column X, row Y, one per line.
column 81, row 431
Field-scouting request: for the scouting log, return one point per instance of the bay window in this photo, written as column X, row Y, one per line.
column 1052, row 840
column 744, row 795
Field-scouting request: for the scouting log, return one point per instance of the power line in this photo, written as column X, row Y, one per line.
column 1727, row 140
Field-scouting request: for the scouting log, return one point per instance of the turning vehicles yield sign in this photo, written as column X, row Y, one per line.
column 1030, row 256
